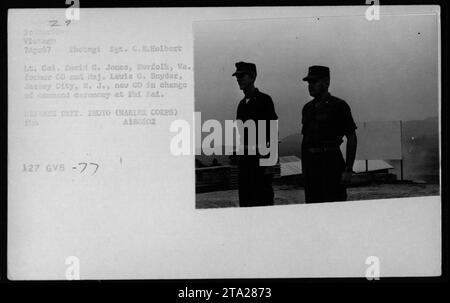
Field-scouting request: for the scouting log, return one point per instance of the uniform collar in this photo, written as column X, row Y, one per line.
column 255, row 93
column 325, row 99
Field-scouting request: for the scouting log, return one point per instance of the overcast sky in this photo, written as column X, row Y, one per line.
column 386, row 70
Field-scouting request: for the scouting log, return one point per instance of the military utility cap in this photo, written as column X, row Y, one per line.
column 317, row 72
column 245, row 68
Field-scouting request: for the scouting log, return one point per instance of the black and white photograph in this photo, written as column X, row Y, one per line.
column 356, row 101
column 225, row 142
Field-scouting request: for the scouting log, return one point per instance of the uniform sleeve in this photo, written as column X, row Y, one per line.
column 238, row 111
column 348, row 124
column 269, row 114
column 304, row 109
column 270, row 110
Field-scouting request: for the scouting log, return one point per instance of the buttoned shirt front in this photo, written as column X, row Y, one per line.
column 259, row 107
column 326, row 122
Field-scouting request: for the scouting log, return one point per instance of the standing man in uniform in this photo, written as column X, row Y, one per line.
column 326, row 120
column 255, row 181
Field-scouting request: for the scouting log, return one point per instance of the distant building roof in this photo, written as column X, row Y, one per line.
column 292, row 165
column 287, row 159
column 360, row 165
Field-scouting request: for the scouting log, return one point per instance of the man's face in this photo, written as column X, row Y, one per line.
column 244, row 80
column 317, row 86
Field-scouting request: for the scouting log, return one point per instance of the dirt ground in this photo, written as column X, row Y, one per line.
column 288, row 194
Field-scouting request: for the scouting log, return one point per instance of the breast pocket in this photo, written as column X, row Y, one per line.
column 322, row 117
column 325, row 122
